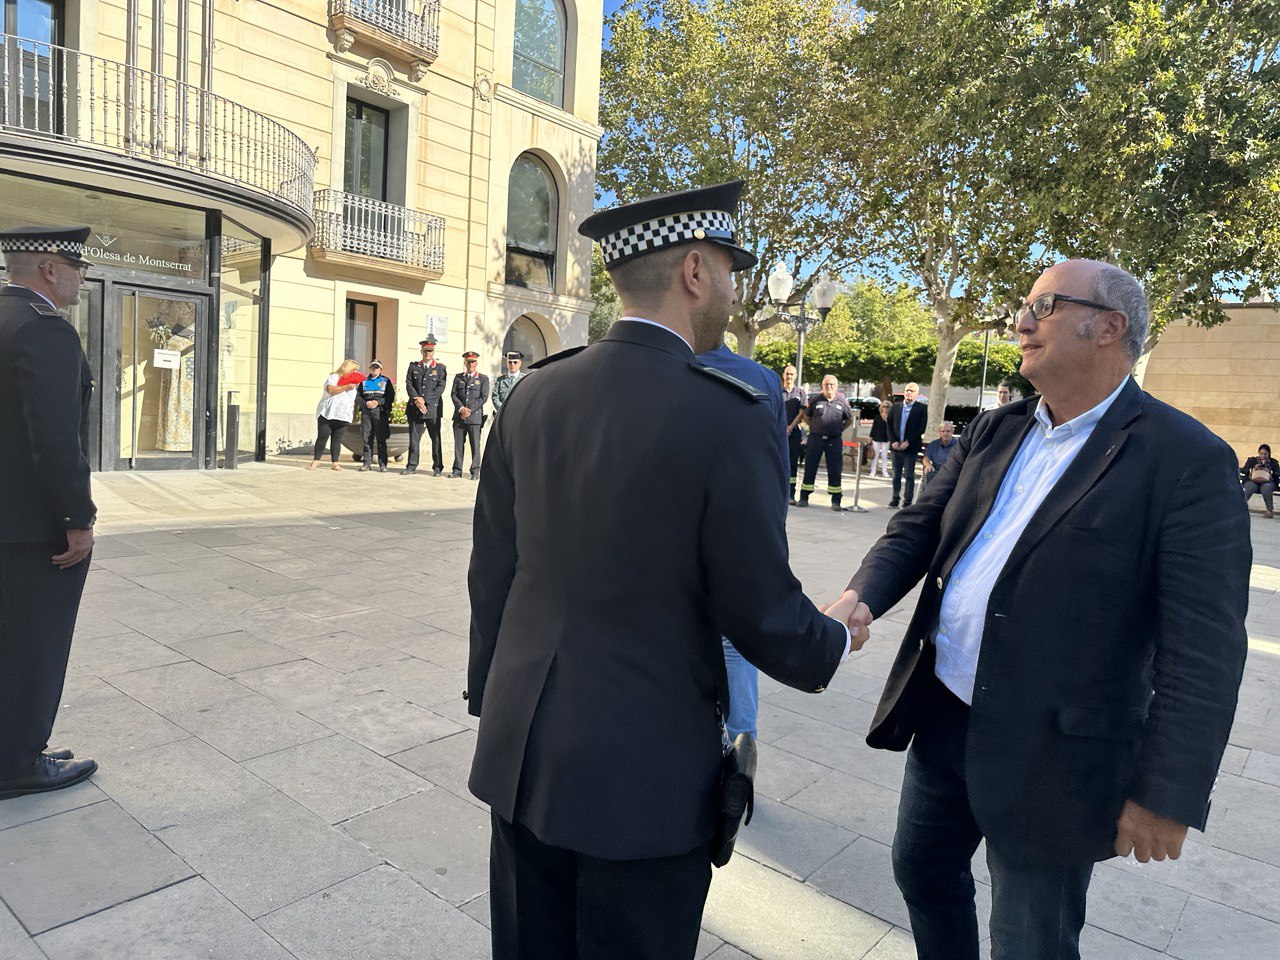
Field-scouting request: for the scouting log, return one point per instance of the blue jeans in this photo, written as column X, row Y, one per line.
column 744, row 692
column 1037, row 910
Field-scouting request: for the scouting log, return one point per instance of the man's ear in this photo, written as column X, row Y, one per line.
column 692, row 272
column 1112, row 326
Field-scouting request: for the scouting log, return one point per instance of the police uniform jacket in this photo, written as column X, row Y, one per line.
column 470, row 390
column 428, row 382
column 382, row 390
column 600, row 589
column 828, row 418
column 502, row 388
column 45, row 388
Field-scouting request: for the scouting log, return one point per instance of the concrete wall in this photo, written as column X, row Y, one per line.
column 1222, row 376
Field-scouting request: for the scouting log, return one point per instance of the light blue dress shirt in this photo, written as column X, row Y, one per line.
column 902, row 424
column 1042, row 459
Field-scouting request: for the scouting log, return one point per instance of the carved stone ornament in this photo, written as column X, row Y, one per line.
column 484, row 88
column 381, row 78
column 344, row 40
column 418, row 70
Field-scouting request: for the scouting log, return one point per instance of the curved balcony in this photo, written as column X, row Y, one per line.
column 114, row 123
column 359, row 232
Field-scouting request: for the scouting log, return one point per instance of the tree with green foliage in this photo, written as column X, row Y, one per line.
column 607, row 307
column 695, row 92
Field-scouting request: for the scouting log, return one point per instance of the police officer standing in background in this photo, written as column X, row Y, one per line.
column 795, row 401
column 470, row 393
column 46, row 511
column 425, row 385
column 505, row 383
column 827, row 416
column 375, row 394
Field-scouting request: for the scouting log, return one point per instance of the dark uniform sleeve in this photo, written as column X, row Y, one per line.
column 493, row 563
column 484, row 389
column 459, row 392
column 755, row 599
column 411, row 388
column 389, row 397
column 48, row 370
column 436, row 391
column 1203, row 561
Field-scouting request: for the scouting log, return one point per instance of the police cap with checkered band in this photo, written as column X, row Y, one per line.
column 66, row 242
column 656, row 223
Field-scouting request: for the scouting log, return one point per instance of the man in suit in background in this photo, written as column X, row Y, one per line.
column 46, row 511
column 906, row 436
column 1069, row 679
column 607, row 562
column 470, row 394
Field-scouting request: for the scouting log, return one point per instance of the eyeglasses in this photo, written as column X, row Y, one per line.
column 1042, row 306
column 81, row 268
column 510, row 362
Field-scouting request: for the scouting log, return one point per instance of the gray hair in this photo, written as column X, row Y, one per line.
column 24, row 262
column 946, row 423
column 1121, row 291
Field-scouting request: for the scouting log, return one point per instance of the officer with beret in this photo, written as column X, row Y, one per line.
column 470, row 394
column 607, row 561
column 46, row 511
column 503, row 386
column 425, row 384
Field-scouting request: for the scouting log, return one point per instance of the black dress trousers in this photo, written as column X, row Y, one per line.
column 549, row 903
column 431, row 424
column 38, row 606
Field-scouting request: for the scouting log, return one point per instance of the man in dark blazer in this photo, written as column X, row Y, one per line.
column 608, row 560
column 1069, row 678
column 425, row 383
column 46, row 511
column 906, row 437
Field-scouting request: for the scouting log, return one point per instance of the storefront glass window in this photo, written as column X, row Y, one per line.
column 241, row 289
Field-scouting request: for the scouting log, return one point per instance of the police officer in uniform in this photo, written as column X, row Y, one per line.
column 827, row 416
column 503, row 386
column 795, row 401
column 375, row 394
column 425, row 384
column 470, row 393
column 607, row 562
column 46, row 511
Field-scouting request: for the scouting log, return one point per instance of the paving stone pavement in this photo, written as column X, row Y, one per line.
column 268, row 665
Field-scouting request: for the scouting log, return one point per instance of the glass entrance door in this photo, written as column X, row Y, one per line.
column 158, row 418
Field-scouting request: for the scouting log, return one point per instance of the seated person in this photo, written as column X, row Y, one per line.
column 936, row 453
column 1261, row 474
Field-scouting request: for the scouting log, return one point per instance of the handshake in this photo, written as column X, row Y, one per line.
column 854, row 614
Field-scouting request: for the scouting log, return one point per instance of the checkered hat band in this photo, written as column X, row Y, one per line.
column 33, row 245
column 665, row 231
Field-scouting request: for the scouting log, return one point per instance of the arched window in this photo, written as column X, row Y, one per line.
column 533, row 208
column 525, row 336
column 538, row 69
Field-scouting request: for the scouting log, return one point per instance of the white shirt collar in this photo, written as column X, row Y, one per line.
column 1086, row 420
column 36, row 292
column 654, row 323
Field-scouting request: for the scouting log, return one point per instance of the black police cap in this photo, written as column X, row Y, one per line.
column 667, row 220
column 65, row 241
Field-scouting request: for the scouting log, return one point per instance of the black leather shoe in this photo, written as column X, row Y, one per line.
column 893, row 503
column 408, row 471
column 838, row 509
column 475, row 476
column 44, row 774
column 364, row 468
column 382, row 468
column 436, row 473
column 802, row 503
column 456, row 475
column 60, row 753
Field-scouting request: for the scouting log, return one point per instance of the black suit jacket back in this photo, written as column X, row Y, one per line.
column 45, row 389
column 1114, row 640
column 610, row 554
column 916, row 421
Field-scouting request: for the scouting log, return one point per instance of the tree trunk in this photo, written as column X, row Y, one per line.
column 747, row 335
column 886, row 388
column 949, row 337
column 1140, row 368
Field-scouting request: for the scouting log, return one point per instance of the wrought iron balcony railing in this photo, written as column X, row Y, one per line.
column 396, row 18
column 54, row 92
column 349, row 223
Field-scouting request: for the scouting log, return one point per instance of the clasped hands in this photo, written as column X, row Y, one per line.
column 854, row 614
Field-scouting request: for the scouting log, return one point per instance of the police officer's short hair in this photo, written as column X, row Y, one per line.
column 644, row 281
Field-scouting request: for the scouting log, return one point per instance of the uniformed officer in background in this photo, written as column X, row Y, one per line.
column 503, row 386
column 607, row 562
column 46, row 511
column 470, row 394
column 375, row 394
column 827, row 416
column 425, row 383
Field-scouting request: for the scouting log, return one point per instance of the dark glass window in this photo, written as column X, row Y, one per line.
column 32, row 65
column 538, row 68
column 365, row 169
column 533, row 209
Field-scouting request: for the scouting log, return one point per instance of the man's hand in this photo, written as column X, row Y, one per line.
column 79, row 544
column 465, row 411
column 422, row 404
column 854, row 614
column 371, row 404
column 1147, row 835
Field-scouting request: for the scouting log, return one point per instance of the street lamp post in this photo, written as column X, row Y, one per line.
column 781, row 283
